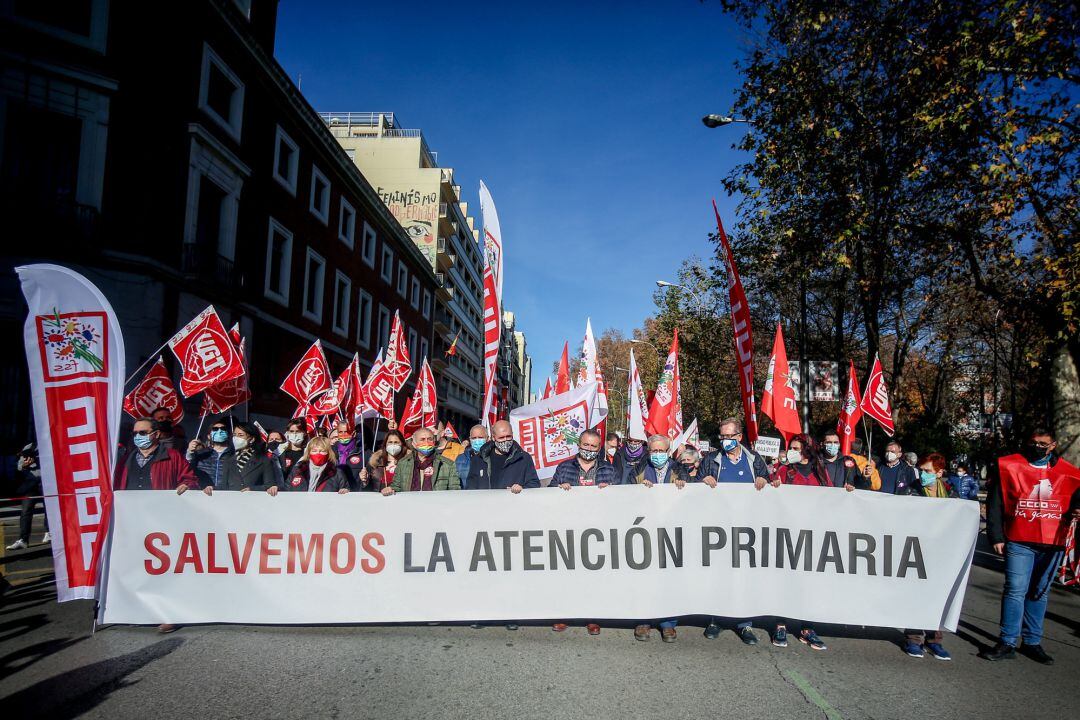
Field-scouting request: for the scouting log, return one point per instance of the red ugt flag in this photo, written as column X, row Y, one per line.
column 778, row 397
column 875, row 399
column 155, row 391
column 665, row 413
column 379, row 390
column 398, row 364
column 310, row 377
column 224, row 396
column 850, row 412
column 206, row 353
column 420, row 410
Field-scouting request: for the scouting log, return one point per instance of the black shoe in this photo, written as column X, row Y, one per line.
column 1001, row 651
column 747, row 636
column 1036, row 653
column 712, row 631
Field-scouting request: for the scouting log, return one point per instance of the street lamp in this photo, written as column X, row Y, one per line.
column 714, row 121
column 665, row 283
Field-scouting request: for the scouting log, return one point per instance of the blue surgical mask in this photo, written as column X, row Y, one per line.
column 927, row 478
column 143, row 441
column 658, row 459
column 729, row 444
column 219, row 436
column 477, row 443
column 832, row 449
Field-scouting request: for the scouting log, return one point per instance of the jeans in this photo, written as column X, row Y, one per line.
column 739, row 626
column 26, row 518
column 1029, row 572
column 665, row 624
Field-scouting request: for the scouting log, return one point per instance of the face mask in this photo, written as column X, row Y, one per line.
column 239, row 443
column 344, row 438
column 658, row 459
column 393, row 449
column 295, row 438
column 1036, row 455
column 219, row 436
column 832, row 449
column 503, row 446
column 793, row 456
column 891, row 457
column 477, row 443
column 729, row 444
column 927, row 478
column 319, row 458
column 164, row 425
column 425, row 449
column 143, row 441
column 589, row 455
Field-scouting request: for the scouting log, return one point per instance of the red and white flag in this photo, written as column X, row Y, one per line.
column 589, row 371
column 548, row 430
column 549, row 389
column 206, row 353
column 493, row 286
column 778, row 397
column 75, row 354
column 562, row 377
column 741, row 332
column 850, row 412
column 155, row 391
column 336, row 399
column 637, row 407
column 875, row 399
column 420, row 411
column 310, row 378
column 665, row 414
column 379, row 390
column 398, row 364
column 227, row 395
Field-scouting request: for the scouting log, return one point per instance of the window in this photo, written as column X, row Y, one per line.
column 342, row 295
column 346, row 223
column 314, row 275
column 367, row 246
column 363, row 320
column 427, row 305
column 351, row 154
column 416, row 359
column 414, row 294
column 387, row 265
column 286, row 161
column 402, row 279
column 384, row 326
column 319, row 203
column 221, row 94
column 423, row 347
column 215, row 179
column 278, row 263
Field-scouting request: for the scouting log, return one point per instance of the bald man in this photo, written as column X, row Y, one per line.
column 503, row 465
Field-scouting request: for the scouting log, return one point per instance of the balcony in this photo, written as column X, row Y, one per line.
column 444, row 288
column 444, row 209
column 204, row 264
column 442, row 323
column 445, row 257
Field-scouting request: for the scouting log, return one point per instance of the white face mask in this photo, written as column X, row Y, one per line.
column 891, row 457
column 295, row 438
column 239, row 443
column 394, row 449
column 793, row 456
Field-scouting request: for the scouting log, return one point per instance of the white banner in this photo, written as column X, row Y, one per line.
column 549, row 429
column 621, row 552
column 75, row 354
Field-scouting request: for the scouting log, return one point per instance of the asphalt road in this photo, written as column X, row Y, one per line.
column 51, row 666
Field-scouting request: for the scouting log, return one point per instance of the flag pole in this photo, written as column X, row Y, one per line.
column 202, row 417
column 375, row 434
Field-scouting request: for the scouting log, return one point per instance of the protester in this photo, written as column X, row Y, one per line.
column 503, row 465
column 611, row 446
column 316, row 471
column 149, row 465
column 448, row 445
column 963, row 483
column 349, row 454
column 275, row 442
column 249, row 468
column 383, row 464
column 171, row 436
column 1031, row 500
column 293, row 450
column 209, row 462
column 804, row 467
column 912, row 460
column 660, row 469
column 867, row 466
column 897, row 477
column 628, row 459
column 423, row 468
column 841, row 469
column 478, row 438
column 29, row 489
column 691, row 462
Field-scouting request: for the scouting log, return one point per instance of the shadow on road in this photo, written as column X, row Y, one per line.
column 28, row 595
column 77, row 691
column 12, row 629
column 27, row 656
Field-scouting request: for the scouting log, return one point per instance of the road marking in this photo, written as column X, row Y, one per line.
column 813, row 695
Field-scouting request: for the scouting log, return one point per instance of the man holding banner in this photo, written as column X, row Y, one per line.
column 503, row 464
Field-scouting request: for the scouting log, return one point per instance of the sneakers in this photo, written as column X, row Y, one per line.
column 641, row 632
column 913, row 649
column 559, row 627
column 476, row 626
column 779, row 638
column 667, row 635
column 511, row 626
column 19, row 544
column 1001, row 651
column 166, row 628
column 747, row 636
column 593, row 628
column 809, row 637
column 712, row 631
column 937, row 652
column 1036, row 653
column 46, row 539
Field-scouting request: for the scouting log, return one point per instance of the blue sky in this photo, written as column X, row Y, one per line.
column 584, row 120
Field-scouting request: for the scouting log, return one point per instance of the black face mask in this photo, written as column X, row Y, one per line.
column 165, row 426
column 1035, row 454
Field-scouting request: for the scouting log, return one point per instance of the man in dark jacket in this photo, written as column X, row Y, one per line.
column 350, row 454
column 504, row 464
column 478, row 438
column 209, row 462
column 897, row 477
column 29, row 473
column 628, row 459
column 964, row 484
column 842, row 470
column 587, row 468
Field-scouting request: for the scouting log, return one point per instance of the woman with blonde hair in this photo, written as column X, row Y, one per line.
column 316, row 470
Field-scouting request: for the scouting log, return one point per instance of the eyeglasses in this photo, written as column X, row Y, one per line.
column 1041, row 445
column 730, row 436
column 143, row 433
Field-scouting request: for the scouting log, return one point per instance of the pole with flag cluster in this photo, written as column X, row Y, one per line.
column 875, row 402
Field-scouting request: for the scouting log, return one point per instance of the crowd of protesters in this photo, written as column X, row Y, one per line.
column 240, row 456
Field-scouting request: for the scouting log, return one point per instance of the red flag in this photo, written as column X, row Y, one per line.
column 353, row 408
column 665, row 413
column 224, row 396
column 744, row 340
column 309, row 378
column 562, row 380
column 379, row 390
column 875, row 399
column 398, row 364
column 548, row 389
column 452, row 350
column 206, row 353
column 421, row 408
column 778, row 398
column 336, row 398
column 155, row 391
column 850, row 412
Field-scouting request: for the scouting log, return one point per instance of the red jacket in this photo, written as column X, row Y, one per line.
column 790, row 476
column 168, row 469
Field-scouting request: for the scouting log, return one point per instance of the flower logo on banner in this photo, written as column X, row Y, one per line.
column 560, row 431
column 71, row 343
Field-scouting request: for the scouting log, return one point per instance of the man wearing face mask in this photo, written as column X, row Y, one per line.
column 478, row 438
column 611, row 446
column 841, row 469
column 628, row 458
column 209, row 462
column 897, row 477
column 1031, row 499
column 503, row 465
column 29, row 486
column 170, row 436
column 350, row 456
column 423, row 469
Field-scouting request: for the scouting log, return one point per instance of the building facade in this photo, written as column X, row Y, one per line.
column 515, row 364
column 426, row 200
column 204, row 179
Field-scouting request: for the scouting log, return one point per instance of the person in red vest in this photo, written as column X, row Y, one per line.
column 1029, row 507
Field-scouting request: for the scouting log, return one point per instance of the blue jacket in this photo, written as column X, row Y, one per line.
column 966, row 487
column 209, row 465
column 568, row 472
column 464, row 464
